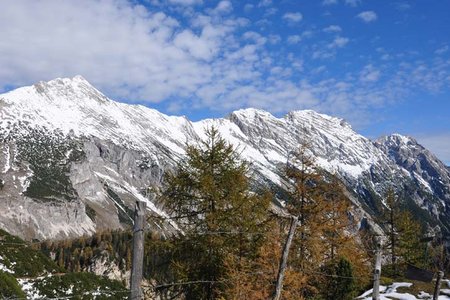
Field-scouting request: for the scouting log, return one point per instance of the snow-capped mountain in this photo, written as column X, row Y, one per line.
column 73, row 161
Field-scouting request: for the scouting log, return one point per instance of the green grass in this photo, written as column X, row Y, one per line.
column 414, row 289
column 417, row 287
column 386, row 280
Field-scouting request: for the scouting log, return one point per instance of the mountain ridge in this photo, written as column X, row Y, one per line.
column 127, row 148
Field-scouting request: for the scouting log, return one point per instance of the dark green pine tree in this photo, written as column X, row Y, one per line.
column 404, row 233
column 209, row 196
column 340, row 285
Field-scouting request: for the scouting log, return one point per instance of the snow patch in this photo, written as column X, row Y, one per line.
column 29, row 289
column 390, row 292
column 5, row 269
column 7, row 159
column 422, row 182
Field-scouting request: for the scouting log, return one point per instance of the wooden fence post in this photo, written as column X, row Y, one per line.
column 284, row 258
column 138, row 251
column 437, row 288
column 377, row 271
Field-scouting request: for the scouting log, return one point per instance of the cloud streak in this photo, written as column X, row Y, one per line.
column 367, row 16
column 332, row 28
column 293, row 17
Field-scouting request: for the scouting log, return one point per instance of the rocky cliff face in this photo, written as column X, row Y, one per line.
column 430, row 177
column 73, row 161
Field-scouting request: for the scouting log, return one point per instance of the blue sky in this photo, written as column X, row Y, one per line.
column 382, row 65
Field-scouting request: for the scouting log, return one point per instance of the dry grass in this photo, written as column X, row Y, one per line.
column 417, row 287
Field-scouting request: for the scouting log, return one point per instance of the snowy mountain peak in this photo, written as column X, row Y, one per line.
column 398, row 140
column 251, row 114
column 77, row 79
column 74, row 82
column 76, row 87
column 313, row 117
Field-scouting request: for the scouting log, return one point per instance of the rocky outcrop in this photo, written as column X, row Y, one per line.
column 430, row 177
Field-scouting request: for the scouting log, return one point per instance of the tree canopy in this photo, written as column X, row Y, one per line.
column 209, row 194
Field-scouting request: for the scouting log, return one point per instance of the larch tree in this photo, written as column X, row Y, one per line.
column 255, row 278
column 325, row 235
column 307, row 201
column 303, row 179
column 335, row 218
column 209, row 195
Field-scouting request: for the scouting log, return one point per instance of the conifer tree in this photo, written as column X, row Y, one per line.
column 336, row 219
column 410, row 249
column 303, row 179
column 340, row 283
column 209, row 195
column 324, row 230
column 343, row 241
column 403, row 233
column 390, row 215
column 255, row 278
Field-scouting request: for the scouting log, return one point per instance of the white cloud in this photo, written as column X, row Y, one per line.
column 329, row 51
column 323, row 54
column 224, row 6
column 270, row 11
column 329, row 2
column 369, row 74
column 265, row 3
column 254, row 36
column 293, row 17
column 442, row 50
column 367, row 16
column 332, row 28
column 186, row 2
column 248, row 7
column 198, row 47
column 431, row 77
column 294, row 39
column 386, row 57
column 123, row 49
column 338, row 42
column 319, row 70
column 307, row 34
column 402, row 6
column 274, row 39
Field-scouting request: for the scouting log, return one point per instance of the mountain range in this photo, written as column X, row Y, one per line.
column 73, row 161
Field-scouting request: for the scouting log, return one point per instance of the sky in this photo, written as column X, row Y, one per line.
column 384, row 66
